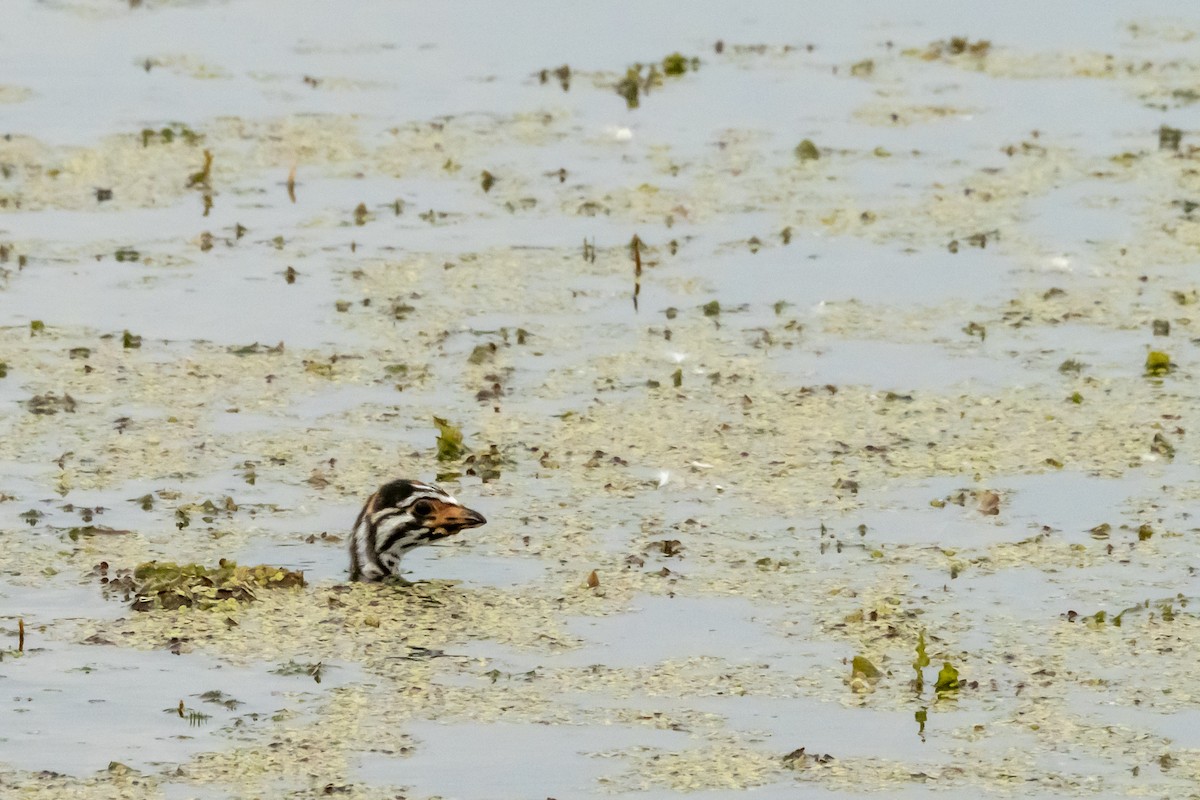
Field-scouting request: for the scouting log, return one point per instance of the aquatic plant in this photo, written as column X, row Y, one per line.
column 165, row 585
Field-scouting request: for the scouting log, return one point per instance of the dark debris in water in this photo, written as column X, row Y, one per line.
column 255, row 349
column 640, row 79
column 164, row 585
column 87, row 531
column 295, row 668
column 50, row 403
column 953, row 47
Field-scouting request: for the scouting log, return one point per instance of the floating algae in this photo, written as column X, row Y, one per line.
column 165, row 585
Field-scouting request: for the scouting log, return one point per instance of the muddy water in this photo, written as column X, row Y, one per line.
column 862, row 420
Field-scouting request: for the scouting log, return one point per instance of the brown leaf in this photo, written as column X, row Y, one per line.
column 593, row 580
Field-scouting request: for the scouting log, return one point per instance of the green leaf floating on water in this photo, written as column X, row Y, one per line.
column 1158, row 363
column 861, row 666
column 807, row 151
column 947, row 679
column 450, row 445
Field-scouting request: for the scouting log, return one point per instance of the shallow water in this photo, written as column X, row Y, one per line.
column 75, row 708
column 775, row 447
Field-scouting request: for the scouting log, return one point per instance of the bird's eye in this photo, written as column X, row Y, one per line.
column 422, row 508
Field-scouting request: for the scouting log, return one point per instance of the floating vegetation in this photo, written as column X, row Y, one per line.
column 36, row 326
column 1165, row 609
column 450, row 445
column 433, row 217
column 678, row 64
column 1169, row 138
column 487, row 466
column 127, row 254
column 1071, row 367
column 979, row 240
column 863, row 675
column 165, row 585
column 88, row 531
column 1158, row 364
column 947, row 680
column 1187, row 206
column 807, row 151
column 130, row 341
column 195, row 718
column 203, row 178
column 208, row 511
column 632, row 85
column 635, row 84
column 863, row 69
column 482, row 354
column 1162, row 447
column 296, row 668
column 953, row 47
column 799, row 759
column 975, row 329
column 167, row 135
column 321, row 368
column 50, row 403
column 400, row 309
column 486, row 181
column 217, row 697
column 635, row 252
column 254, row 349
column 561, row 74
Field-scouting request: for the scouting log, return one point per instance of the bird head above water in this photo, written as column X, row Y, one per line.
column 398, row 517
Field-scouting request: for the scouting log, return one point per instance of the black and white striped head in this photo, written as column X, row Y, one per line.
column 402, row 515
